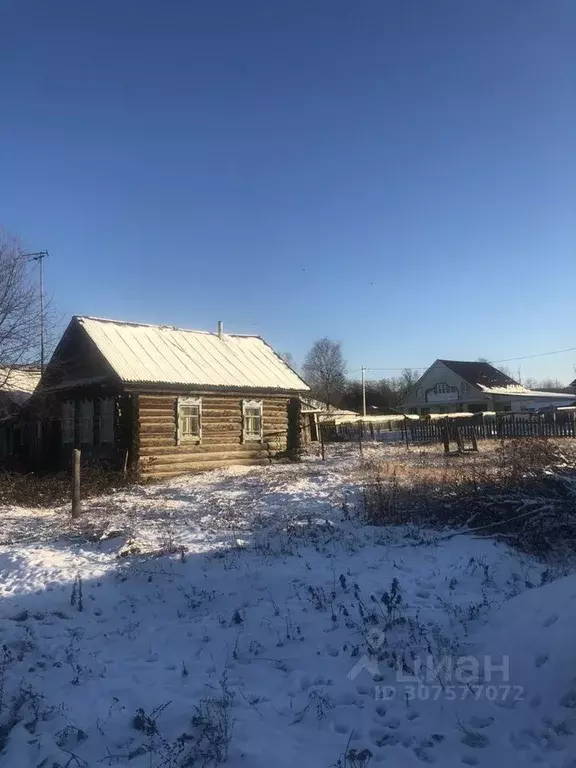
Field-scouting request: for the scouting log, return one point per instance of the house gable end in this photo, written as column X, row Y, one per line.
column 440, row 384
column 77, row 361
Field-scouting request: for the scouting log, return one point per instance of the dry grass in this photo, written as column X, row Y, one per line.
column 523, row 488
column 46, row 490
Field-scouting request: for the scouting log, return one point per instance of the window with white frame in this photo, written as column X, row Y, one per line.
column 86, row 422
column 107, row 416
column 67, row 422
column 189, row 419
column 252, row 419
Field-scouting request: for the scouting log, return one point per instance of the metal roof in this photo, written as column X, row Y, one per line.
column 480, row 374
column 19, row 382
column 158, row 354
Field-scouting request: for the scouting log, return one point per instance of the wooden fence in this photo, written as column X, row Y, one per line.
column 428, row 431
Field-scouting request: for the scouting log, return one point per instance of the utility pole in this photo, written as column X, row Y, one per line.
column 39, row 256
column 363, row 390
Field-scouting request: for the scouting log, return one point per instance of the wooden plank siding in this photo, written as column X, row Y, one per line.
column 159, row 454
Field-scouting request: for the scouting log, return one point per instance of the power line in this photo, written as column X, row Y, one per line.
column 503, row 360
column 540, row 354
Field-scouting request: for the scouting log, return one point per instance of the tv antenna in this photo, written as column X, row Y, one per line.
column 39, row 256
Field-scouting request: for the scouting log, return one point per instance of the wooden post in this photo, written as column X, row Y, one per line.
column 293, row 440
column 459, row 440
column 405, row 423
column 76, row 505
column 474, row 440
column 360, row 430
column 321, row 431
column 446, row 436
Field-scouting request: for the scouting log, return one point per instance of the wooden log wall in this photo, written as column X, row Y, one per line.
column 160, row 455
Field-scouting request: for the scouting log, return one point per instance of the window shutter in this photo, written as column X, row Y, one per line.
column 86, row 422
column 67, row 422
column 107, row 417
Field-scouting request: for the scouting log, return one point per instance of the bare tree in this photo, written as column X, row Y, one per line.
column 544, row 384
column 381, row 397
column 401, row 384
column 409, row 377
column 325, row 371
column 288, row 358
column 19, row 309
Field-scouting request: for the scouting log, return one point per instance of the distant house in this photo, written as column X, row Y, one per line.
column 165, row 400
column 456, row 386
column 17, row 385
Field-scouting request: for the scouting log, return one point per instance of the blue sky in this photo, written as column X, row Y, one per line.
column 397, row 175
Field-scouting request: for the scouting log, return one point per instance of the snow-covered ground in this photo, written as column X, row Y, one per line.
column 254, row 636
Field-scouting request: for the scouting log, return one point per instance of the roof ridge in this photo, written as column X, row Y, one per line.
column 162, row 326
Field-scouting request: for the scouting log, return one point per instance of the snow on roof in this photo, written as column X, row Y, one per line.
column 311, row 405
column 520, row 391
column 19, row 383
column 158, row 354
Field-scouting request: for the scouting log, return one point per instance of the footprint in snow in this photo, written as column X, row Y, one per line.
column 388, row 740
column 541, row 659
column 481, row 722
column 569, row 700
column 475, row 740
column 376, row 735
column 509, row 702
column 341, row 727
column 550, row 620
column 535, row 701
column 424, row 755
column 470, row 760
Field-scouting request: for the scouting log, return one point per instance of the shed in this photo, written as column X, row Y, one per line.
column 166, row 400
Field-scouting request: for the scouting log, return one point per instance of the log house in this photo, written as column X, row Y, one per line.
column 166, row 401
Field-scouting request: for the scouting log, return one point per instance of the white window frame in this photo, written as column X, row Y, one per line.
column 68, row 414
column 182, row 437
column 106, row 420
column 252, row 436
